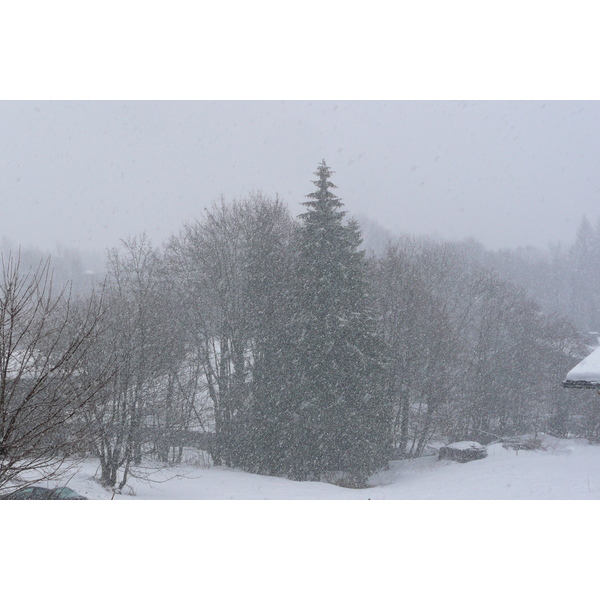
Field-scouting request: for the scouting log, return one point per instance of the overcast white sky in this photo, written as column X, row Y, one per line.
column 87, row 173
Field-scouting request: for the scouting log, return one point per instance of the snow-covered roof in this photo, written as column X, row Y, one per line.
column 586, row 374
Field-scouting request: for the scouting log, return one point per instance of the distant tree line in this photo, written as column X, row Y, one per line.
column 282, row 347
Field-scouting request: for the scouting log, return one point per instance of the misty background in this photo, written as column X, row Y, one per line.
column 85, row 174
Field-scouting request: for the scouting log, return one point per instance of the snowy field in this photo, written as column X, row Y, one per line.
column 294, row 548
column 564, row 470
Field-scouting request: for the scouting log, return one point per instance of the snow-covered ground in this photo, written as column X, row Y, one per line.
column 563, row 470
column 322, row 549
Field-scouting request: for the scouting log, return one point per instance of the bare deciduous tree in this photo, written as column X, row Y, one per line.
column 45, row 336
column 210, row 260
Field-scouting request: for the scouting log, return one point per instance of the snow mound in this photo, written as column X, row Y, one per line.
column 466, row 445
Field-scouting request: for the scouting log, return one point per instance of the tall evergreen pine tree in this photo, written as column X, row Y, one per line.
column 342, row 418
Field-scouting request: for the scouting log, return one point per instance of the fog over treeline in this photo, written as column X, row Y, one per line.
column 312, row 347
column 560, row 277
